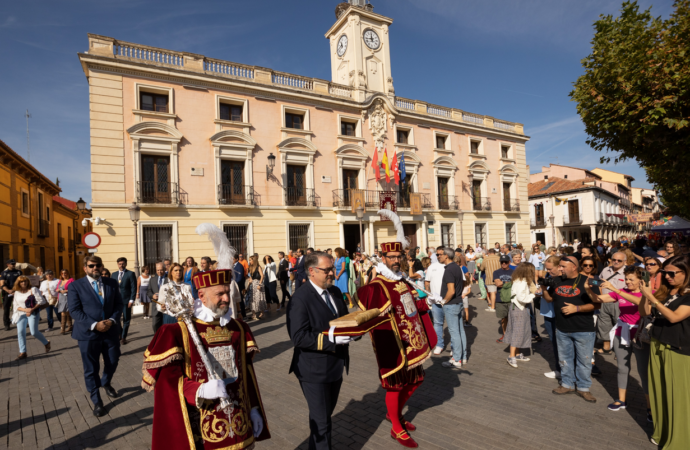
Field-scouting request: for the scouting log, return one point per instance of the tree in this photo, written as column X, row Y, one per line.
column 634, row 97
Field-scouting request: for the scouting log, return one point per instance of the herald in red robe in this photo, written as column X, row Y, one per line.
column 174, row 370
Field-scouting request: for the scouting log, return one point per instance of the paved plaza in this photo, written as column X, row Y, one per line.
column 486, row 405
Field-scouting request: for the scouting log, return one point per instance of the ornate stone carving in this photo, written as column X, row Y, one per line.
column 378, row 121
column 362, row 79
column 391, row 89
column 351, row 81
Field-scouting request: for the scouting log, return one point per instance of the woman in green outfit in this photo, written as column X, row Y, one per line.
column 669, row 361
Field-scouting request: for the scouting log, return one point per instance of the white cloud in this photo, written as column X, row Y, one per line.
column 8, row 22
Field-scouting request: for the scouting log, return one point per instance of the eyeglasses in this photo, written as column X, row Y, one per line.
column 588, row 265
column 399, row 257
column 651, row 264
column 94, row 266
column 671, row 273
column 327, row 270
column 618, row 260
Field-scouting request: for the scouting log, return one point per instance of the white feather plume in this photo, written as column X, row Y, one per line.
column 400, row 232
column 225, row 254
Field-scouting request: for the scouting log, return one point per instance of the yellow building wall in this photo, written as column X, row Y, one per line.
column 64, row 219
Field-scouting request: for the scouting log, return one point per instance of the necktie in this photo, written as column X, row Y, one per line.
column 119, row 278
column 100, row 297
column 328, row 302
column 160, row 282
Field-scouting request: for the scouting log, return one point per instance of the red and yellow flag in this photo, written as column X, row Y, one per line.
column 384, row 161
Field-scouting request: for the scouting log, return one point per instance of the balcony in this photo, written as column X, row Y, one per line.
column 157, row 192
column 538, row 222
column 233, row 195
column 511, row 205
column 481, row 203
column 342, row 198
column 61, row 244
column 43, row 228
column 448, row 202
column 70, row 245
column 575, row 219
column 299, row 196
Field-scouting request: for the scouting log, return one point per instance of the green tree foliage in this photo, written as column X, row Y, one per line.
column 634, row 97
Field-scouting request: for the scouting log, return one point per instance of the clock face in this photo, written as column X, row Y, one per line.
column 342, row 45
column 372, row 39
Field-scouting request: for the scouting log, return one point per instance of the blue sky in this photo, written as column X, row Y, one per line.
column 513, row 60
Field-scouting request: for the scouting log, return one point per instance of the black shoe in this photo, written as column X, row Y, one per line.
column 112, row 393
column 595, row 371
column 99, row 410
column 7, row 328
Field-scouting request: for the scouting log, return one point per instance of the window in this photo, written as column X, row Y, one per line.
column 565, row 176
column 443, row 198
column 61, row 264
column 154, row 186
column 348, row 128
column 505, row 152
column 447, row 235
column 402, row 136
column 40, row 206
column 441, row 141
column 5, row 252
column 42, row 256
column 231, row 112
column 474, row 147
column 25, row 203
column 232, row 189
column 480, row 234
column 157, row 242
column 546, row 177
column 539, row 215
column 27, row 254
column 507, row 201
column 48, row 213
column 296, row 190
column 298, row 236
column 295, row 121
column 237, row 235
column 153, row 102
column 510, row 233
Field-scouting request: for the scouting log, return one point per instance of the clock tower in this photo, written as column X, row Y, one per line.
column 360, row 50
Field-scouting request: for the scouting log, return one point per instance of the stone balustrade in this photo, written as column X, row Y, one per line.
column 109, row 47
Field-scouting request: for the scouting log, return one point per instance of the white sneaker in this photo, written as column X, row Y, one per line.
column 521, row 357
column 452, row 363
column 438, row 350
column 554, row 374
column 512, row 362
column 488, row 309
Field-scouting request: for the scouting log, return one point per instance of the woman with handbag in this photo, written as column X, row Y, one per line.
column 519, row 330
column 26, row 305
column 49, row 292
column 669, row 359
column 65, row 318
column 256, row 295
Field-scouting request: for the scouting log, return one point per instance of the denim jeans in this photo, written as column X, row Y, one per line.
column 550, row 325
column 33, row 327
column 49, row 314
column 456, row 328
column 575, row 350
column 437, row 314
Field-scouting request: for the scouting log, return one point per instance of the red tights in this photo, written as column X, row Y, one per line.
column 395, row 402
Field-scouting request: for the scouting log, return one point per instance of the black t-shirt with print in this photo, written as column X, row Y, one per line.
column 572, row 291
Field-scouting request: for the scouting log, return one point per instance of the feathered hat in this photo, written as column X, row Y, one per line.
column 225, row 255
column 401, row 243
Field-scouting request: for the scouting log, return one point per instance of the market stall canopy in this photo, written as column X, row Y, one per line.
column 675, row 225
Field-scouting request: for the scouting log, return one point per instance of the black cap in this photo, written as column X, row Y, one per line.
column 505, row 258
column 10, row 261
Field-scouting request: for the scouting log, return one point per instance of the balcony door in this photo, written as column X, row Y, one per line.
column 477, row 194
column 349, row 183
column 573, row 211
column 410, row 230
column 232, row 183
column 155, row 179
column 296, row 185
column 506, row 197
column 443, row 193
column 539, row 214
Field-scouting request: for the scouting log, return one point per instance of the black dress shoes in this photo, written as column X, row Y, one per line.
column 99, row 410
column 112, row 393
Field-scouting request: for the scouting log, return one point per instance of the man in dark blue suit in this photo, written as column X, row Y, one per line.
column 300, row 272
column 128, row 290
column 318, row 361
column 95, row 304
column 238, row 276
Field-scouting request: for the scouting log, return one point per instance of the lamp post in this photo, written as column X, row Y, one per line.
column 461, row 215
column 270, row 166
column 552, row 219
column 360, row 215
column 134, row 212
column 81, row 204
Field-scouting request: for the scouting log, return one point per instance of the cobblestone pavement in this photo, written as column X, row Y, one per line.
column 486, row 405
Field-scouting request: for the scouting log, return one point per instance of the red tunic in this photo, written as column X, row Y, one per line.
column 403, row 344
column 174, row 370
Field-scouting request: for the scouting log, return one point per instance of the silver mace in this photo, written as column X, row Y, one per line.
column 179, row 305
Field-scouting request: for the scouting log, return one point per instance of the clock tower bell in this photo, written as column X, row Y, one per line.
column 360, row 50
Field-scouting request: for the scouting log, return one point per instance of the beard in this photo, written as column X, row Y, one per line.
column 220, row 309
column 329, row 281
column 395, row 267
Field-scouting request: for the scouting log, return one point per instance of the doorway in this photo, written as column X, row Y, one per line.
column 349, row 183
column 541, row 237
column 351, row 234
column 410, row 230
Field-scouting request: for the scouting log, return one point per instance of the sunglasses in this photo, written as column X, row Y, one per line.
column 94, row 266
column 618, row 260
column 588, row 265
column 651, row 264
column 327, row 270
column 671, row 273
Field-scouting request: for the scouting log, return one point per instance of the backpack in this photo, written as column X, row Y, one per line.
column 506, row 292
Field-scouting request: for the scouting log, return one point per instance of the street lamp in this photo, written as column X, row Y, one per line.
column 360, row 215
column 81, row 204
column 270, row 166
column 134, row 212
column 552, row 219
column 462, row 237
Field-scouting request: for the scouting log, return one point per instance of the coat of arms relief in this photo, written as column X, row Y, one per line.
column 378, row 121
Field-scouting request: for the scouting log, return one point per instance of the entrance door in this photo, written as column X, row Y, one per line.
column 349, row 183
column 351, row 234
column 541, row 237
column 232, row 183
column 296, row 186
column 410, row 230
column 155, row 179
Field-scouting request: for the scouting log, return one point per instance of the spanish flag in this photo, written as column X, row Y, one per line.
column 384, row 161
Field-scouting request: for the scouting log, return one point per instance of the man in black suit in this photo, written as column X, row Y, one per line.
column 318, row 361
column 128, row 290
column 158, row 280
column 238, row 276
column 283, row 277
column 95, row 304
column 300, row 272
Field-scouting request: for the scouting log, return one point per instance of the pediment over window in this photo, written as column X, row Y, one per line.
column 446, row 162
column 155, row 130
column 233, row 137
column 509, row 169
column 479, row 166
column 297, row 144
column 352, row 151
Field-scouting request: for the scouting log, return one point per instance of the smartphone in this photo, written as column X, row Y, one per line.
column 594, row 282
column 645, row 277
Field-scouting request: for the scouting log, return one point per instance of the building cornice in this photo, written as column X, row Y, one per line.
column 573, row 191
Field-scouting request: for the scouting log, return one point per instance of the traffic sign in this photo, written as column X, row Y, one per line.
column 91, row 240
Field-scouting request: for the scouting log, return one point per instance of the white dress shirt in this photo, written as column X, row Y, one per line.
column 320, row 291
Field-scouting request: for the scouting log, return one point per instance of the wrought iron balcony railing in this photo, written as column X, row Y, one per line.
column 43, row 228
column 481, row 204
column 575, row 219
column 448, row 202
column 230, row 194
column 511, row 205
column 537, row 222
column 157, row 192
column 299, row 196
